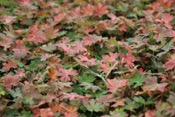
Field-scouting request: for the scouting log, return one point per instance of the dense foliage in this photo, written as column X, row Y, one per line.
column 87, row 58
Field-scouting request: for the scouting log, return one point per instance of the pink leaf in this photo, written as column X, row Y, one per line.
column 114, row 84
column 92, row 39
column 100, row 10
column 8, row 19
column 87, row 61
column 46, row 112
column 72, row 96
column 20, row 51
column 166, row 18
column 6, row 42
column 169, row 65
column 150, row 113
column 88, row 10
column 128, row 59
column 11, row 81
column 46, row 56
column 20, row 73
column 59, row 17
column 65, row 74
column 9, row 64
column 110, row 58
column 152, row 85
column 35, row 35
column 104, row 67
column 112, row 16
column 78, row 47
column 24, row 2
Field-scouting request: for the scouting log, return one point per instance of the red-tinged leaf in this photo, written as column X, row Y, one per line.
column 7, row 19
column 90, row 86
column 106, row 99
column 36, row 112
column 59, row 17
column 88, row 40
column 141, row 71
column 110, row 58
column 65, row 40
column 30, row 92
column 92, row 39
column 50, row 32
column 86, row 29
column 105, row 25
column 123, row 28
column 128, row 59
column 58, row 108
column 114, row 84
column 69, row 114
column 19, row 32
column 66, row 74
column 150, row 113
column 35, row 35
column 155, row 5
column 11, row 81
column 87, row 61
column 152, row 85
column 119, row 102
column 6, row 42
column 104, row 67
column 70, row 108
column 172, row 34
column 46, row 112
column 167, row 3
column 73, row 48
column 24, row 2
column 66, row 48
column 100, row 10
column 20, row 73
column 65, row 109
column 71, row 96
column 169, row 65
column 88, row 10
column 171, row 110
column 46, row 56
column 166, row 18
column 78, row 47
column 9, row 64
column 112, row 16
column 20, row 51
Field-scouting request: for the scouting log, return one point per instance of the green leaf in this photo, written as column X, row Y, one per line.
column 92, row 105
column 139, row 99
column 87, row 78
column 131, row 105
column 62, row 33
column 35, row 64
column 142, row 101
column 20, row 64
column 25, row 114
column 7, row 3
column 10, row 113
column 2, row 92
column 137, row 80
column 16, row 93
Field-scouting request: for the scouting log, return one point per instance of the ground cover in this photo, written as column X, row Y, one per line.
column 87, row 58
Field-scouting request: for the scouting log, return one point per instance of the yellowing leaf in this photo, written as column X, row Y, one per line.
column 52, row 73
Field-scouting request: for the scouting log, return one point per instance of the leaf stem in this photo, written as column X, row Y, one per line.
column 96, row 74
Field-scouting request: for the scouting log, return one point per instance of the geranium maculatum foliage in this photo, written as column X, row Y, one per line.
column 87, row 58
